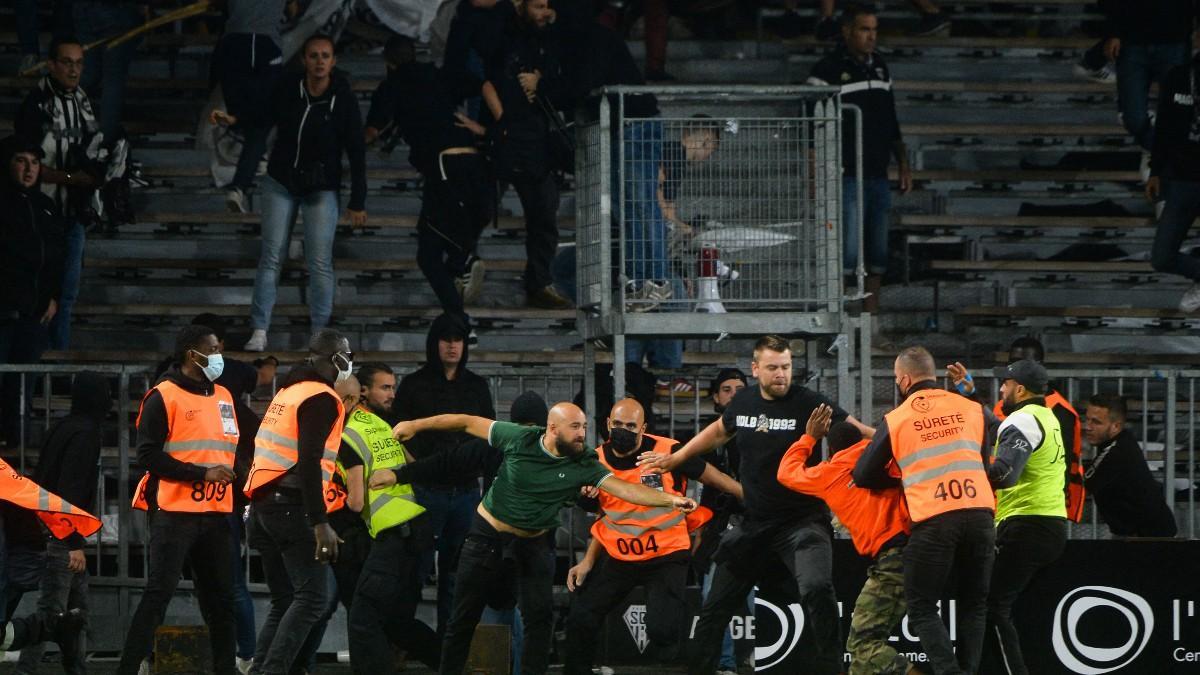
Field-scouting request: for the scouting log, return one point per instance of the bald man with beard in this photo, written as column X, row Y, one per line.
column 543, row 471
column 635, row 545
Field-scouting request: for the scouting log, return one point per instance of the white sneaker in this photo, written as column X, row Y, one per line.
column 1144, row 166
column 1190, row 301
column 258, row 341
column 648, row 296
column 470, row 284
column 1105, row 74
column 243, row 665
column 235, row 201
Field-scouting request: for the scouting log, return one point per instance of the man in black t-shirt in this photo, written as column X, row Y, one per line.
column 782, row 530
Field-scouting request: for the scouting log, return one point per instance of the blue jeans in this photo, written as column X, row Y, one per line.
column 243, row 604
column 728, row 657
column 60, row 327
column 450, row 512
column 107, row 66
column 645, row 227
column 1181, row 207
column 279, row 208
column 659, row 354
column 511, row 618
column 877, row 201
column 1139, row 65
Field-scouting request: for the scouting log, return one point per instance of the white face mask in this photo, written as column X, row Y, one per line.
column 342, row 375
column 216, row 366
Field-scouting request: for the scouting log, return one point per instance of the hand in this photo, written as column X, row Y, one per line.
column 577, row 574
column 685, row 504
column 81, row 179
column 906, row 182
column 404, row 431
column 469, row 124
column 219, row 474
column 357, row 218
column 529, row 82
column 76, row 562
column 370, row 135
column 589, row 491
column 1112, row 48
column 221, row 117
column 656, row 462
column 327, row 543
column 1153, row 188
column 382, row 479
column 819, row 421
column 51, row 310
column 958, row 374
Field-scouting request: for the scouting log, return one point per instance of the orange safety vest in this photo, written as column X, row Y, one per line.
column 201, row 430
column 60, row 516
column 277, row 445
column 1075, row 490
column 936, row 439
column 635, row 532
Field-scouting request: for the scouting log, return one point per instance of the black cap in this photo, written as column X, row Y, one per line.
column 726, row 374
column 1026, row 372
column 17, row 143
column 528, row 408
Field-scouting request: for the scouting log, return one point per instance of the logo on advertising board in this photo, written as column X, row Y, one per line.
column 635, row 621
column 791, row 625
column 1086, row 659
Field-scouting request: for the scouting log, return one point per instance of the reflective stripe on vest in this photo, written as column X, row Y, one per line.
column 1076, row 494
column 1039, row 490
column 277, row 444
column 634, row 532
column 936, row 438
column 371, row 438
column 201, row 430
column 60, row 516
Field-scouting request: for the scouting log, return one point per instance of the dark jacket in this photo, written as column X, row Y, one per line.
column 32, row 250
column 65, row 142
column 418, row 100
column 473, row 29
column 427, row 392
column 523, row 133
column 1127, row 495
column 869, row 86
column 315, row 132
column 1151, row 21
column 1176, row 151
column 605, row 61
column 69, row 463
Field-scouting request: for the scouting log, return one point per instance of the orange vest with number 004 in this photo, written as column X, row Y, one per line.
column 936, row 438
column 1075, row 490
column 60, row 516
column 277, row 445
column 201, row 430
column 635, row 532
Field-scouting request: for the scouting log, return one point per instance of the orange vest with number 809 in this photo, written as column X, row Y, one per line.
column 634, row 532
column 277, row 445
column 201, row 430
column 937, row 439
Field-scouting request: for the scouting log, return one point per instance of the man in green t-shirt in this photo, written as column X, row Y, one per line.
column 542, row 472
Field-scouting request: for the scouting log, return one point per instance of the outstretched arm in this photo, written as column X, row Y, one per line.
column 636, row 493
column 713, row 436
column 476, row 426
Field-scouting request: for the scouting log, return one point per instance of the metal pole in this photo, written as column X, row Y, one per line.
column 866, row 393
column 125, row 525
column 860, row 270
column 589, row 389
column 1169, row 448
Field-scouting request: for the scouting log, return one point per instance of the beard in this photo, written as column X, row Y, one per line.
column 568, row 448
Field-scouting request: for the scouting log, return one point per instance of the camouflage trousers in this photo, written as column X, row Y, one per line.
column 880, row 606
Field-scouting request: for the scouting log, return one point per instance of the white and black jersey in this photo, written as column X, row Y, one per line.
column 868, row 85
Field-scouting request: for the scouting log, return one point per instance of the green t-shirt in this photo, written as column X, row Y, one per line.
column 532, row 484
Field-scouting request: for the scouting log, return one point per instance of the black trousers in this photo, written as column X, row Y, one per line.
column 1025, row 545
column 492, row 567
column 957, row 544
column 795, row 559
column 385, row 602
column 202, row 541
column 457, row 204
column 539, row 201
column 603, row 590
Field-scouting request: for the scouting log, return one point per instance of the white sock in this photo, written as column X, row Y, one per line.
column 10, row 634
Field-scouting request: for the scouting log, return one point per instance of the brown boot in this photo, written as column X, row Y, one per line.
column 547, row 297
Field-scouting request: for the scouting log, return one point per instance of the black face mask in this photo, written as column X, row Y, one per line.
column 567, row 448
column 623, row 441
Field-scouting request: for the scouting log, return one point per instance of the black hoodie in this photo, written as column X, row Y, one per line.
column 32, row 248
column 426, row 392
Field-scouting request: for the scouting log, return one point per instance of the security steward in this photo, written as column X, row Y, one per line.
column 291, row 490
column 387, row 593
column 187, row 439
column 940, row 441
column 1027, row 472
column 636, row 545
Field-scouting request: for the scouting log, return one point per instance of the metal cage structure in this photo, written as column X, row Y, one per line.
column 721, row 215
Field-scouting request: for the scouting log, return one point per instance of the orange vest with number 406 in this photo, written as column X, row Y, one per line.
column 201, row 430
column 937, row 439
column 277, row 445
column 634, row 532
column 60, row 516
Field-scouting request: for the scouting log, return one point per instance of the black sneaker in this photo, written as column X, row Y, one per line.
column 932, row 24
column 63, row 626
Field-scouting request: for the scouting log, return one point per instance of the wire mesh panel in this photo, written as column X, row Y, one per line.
column 727, row 201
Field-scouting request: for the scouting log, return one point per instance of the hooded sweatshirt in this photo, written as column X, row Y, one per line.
column 32, row 248
column 426, row 392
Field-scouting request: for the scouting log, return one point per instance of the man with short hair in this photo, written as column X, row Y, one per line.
column 187, row 440
column 940, row 441
column 784, row 535
column 1128, row 497
column 543, row 470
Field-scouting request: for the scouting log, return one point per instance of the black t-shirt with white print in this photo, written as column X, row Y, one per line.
column 764, row 429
